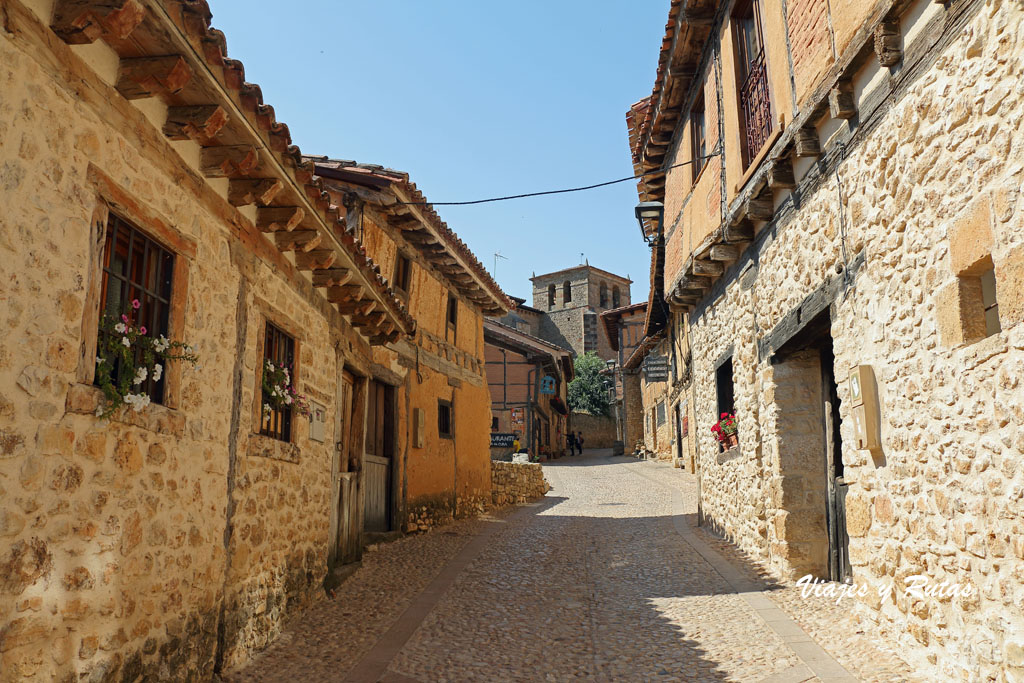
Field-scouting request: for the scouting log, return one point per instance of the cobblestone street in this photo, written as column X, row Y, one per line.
column 604, row 579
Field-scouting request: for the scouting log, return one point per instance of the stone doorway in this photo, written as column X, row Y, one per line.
column 808, row 531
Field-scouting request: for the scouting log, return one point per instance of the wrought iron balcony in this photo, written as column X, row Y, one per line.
column 756, row 106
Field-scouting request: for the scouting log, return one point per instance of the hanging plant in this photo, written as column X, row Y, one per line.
column 126, row 357
column 278, row 391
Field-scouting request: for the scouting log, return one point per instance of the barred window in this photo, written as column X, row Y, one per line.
column 279, row 349
column 136, row 268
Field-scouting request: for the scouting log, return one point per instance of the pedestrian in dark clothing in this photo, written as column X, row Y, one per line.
column 570, row 440
column 579, row 442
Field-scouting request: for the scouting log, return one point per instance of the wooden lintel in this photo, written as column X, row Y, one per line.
column 331, row 277
column 806, row 143
column 298, row 240
column 888, row 43
column 704, row 267
column 151, row 76
column 229, row 161
column 780, row 175
column 200, row 122
column 79, row 22
column 316, row 259
column 840, row 101
column 277, row 218
column 260, row 191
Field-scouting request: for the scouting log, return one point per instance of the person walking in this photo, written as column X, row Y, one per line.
column 579, row 442
column 570, row 442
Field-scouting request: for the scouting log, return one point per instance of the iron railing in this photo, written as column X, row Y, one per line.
column 756, row 106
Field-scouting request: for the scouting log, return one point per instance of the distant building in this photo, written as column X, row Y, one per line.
column 571, row 299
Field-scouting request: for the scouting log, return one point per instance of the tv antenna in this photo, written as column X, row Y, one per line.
column 497, row 255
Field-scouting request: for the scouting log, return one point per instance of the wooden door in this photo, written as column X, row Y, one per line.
column 380, row 435
column 344, row 517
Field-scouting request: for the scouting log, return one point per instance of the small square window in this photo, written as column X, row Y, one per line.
column 279, row 349
column 445, row 423
column 452, row 318
column 403, row 273
column 989, row 302
column 137, row 269
column 724, row 388
column 699, row 132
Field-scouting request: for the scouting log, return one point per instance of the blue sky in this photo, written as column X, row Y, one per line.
column 473, row 99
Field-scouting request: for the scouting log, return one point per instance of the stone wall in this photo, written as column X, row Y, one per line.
column 943, row 497
column 598, row 431
column 514, row 483
column 127, row 545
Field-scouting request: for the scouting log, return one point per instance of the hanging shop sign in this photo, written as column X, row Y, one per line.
column 656, row 368
column 547, row 385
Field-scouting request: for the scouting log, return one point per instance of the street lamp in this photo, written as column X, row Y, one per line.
column 649, row 211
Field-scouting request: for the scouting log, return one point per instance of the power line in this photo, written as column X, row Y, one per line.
column 571, row 189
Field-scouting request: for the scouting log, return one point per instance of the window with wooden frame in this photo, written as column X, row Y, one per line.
column 452, row 318
column 752, row 78
column 137, row 268
column 699, row 136
column 403, row 273
column 279, row 349
column 445, row 420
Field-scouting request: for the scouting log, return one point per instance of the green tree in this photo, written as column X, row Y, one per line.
column 587, row 391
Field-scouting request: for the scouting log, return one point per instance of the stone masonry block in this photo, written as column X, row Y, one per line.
column 1010, row 287
column 959, row 311
column 970, row 239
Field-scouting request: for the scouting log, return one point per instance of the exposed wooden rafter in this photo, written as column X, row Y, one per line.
column 152, row 76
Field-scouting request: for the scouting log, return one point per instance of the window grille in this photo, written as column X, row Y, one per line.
column 279, row 349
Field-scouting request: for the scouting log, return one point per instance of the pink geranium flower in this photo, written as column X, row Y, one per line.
column 135, row 304
column 142, row 330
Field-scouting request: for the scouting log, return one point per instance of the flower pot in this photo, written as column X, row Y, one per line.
column 731, row 441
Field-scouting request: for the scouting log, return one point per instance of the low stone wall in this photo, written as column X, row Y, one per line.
column 513, row 483
column 598, row 431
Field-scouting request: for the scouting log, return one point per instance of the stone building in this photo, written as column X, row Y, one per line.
column 528, row 379
column 842, row 253
column 571, row 300
column 173, row 540
column 430, row 460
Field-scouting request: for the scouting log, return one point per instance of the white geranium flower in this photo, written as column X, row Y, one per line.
column 158, row 372
column 140, row 376
column 99, row 359
column 137, row 401
column 161, row 343
column 124, row 340
column 287, row 399
column 120, row 328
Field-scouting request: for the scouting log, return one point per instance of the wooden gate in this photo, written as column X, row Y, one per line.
column 380, row 439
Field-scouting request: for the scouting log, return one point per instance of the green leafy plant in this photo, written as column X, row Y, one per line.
column 278, row 391
column 126, row 357
column 587, row 391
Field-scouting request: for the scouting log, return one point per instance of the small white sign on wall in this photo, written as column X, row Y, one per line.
column 317, row 421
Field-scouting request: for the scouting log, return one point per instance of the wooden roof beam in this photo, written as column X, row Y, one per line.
column 278, row 218
column 152, row 76
column 315, row 260
column 260, row 191
column 79, row 22
column 200, row 123
column 298, row 240
column 228, row 161
column 345, row 294
column 331, row 277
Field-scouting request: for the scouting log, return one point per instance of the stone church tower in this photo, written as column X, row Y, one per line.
column 571, row 300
